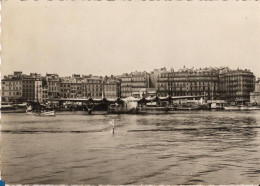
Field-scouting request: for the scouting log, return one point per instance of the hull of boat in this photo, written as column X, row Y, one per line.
column 187, row 109
column 253, row 108
column 14, row 111
column 45, row 113
column 232, row 108
column 123, row 111
column 153, row 110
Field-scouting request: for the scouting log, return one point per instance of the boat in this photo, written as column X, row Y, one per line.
column 244, row 108
column 18, row 108
column 253, row 108
column 153, row 110
column 45, row 113
column 232, row 108
column 188, row 107
column 37, row 109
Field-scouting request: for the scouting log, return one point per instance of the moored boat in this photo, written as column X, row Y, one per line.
column 253, row 108
column 13, row 108
column 45, row 113
column 233, row 108
column 153, row 110
column 37, row 109
column 189, row 107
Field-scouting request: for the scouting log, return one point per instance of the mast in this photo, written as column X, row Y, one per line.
column 212, row 91
column 37, row 89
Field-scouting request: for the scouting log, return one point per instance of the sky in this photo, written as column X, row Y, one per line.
column 104, row 38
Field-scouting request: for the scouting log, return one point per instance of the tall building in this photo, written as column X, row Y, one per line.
column 12, row 88
column 189, row 82
column 255, row 96
column 111, row 87
column 135, row 84
column 154, row 75
column 44, row 94
column 53, row 85
column 92, row 86
column 32, row 87
column 236, row 85
column 65, row 83
column 71, row 87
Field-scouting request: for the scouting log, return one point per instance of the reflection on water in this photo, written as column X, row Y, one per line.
column 180, row 148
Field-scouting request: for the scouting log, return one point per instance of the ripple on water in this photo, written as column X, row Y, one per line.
column 179, row 148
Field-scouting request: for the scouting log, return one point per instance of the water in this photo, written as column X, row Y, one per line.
column 182, row 148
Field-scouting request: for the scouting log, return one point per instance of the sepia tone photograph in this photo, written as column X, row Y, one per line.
column 130, row 92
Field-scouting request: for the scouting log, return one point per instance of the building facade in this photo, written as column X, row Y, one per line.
column 255, row 96
column 12, row 88
column 154, row 75
column 53, row 85
column 92, row 87
column 32, row 87
column 212, row 83
column 71, row 87
column 236, row 85
column 111, row 88
column 135, row 84
column 189, row 82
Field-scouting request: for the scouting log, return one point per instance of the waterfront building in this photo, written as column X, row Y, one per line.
column 65, row 83
column 92, row 86
column 236, row 85
column 154, row 76
column 44, row 94
column 189, row 82
column 255, row 96
column 71, row 87
column 32, row 87
column 134, row 84
column 211, row 83
column 53, row 85
column 111, row 87
column 12, row 88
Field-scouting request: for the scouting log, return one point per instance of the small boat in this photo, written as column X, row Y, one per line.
column 153, row 110
column 37, row 109
column 14, row 108
column 244, row 108
column 233, row 108
column 45, row 113
column 187, row 108
column 253, row 108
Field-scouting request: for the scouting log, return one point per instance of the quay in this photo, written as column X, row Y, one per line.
column 131, row 105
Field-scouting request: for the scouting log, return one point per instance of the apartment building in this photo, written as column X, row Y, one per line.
column 111, row 87
column 135, row 84
column 236, row 85
column 92, row 86
column 53, row 85
column 12, row 88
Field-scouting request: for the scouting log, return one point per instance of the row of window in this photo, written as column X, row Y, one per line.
column 26, row 95
column 79, row 95
column 12, row 94
column 10, row 83
column 188, row 84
